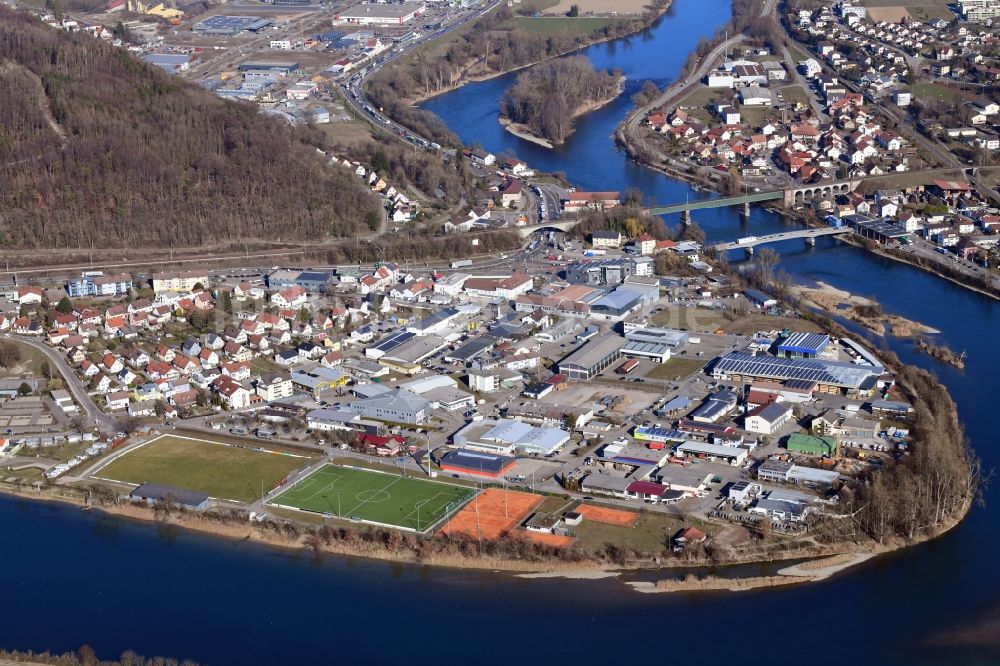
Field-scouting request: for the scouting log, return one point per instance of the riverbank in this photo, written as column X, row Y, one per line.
column 469, row 75
column 862, row 310
column 523, row 132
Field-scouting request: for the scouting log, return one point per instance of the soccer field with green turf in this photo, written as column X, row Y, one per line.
column 375, row 497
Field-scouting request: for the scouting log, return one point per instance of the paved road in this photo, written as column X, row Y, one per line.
column 94, row 415
column 353, row 85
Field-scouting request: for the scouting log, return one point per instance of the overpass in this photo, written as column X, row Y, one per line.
column 750, row 242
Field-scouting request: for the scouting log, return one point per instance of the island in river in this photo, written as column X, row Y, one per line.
column 544, row 101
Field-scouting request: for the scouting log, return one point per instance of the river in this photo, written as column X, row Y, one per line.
column 72, row 578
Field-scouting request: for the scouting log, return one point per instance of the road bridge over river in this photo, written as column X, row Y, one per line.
column 750, row 242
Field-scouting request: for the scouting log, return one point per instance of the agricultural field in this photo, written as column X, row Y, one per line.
column 206, row 465
column 375, row 497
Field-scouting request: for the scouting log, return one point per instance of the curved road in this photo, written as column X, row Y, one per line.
column 680, row 88
column 94, row 415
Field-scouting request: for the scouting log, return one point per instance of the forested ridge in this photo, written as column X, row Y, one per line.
column 98, row 149
column 546, row 97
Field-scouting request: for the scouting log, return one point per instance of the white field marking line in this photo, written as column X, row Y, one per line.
column 248, row 448
column 436, row 482
column 441, row 507
column 323, row 485
column 385, row 489
column 306, row 480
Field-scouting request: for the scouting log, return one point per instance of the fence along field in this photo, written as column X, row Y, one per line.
column 375, row 497
column 222, row 470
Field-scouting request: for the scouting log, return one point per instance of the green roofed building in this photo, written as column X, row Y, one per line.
column 812, row 444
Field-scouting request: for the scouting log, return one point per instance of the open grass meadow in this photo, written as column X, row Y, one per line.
column 701, row 319
column 203, row 465
column 375, row 497
column 676, row 368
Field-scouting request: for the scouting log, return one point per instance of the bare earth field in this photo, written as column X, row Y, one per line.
column 600, row 6
column 888, row 14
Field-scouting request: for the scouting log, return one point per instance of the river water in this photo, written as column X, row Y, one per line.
column 71, row 578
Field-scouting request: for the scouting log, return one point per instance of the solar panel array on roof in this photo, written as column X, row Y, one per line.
column 472, row 348
column 393, row 340
column 845, row 375
column 804, row 343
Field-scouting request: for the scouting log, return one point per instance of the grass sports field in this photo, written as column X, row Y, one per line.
column 375, row 497
column 224, row 472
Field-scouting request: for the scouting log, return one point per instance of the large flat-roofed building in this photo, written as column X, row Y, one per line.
column 592, row 358
column 479, row 464
column 672, row 338
column 397, row 406
column 277, row 66
column 381, row 14
column 877, row 230
column 227, row 26
column 505, row 286
column 805, row 345
column 732, row 455
column 509, row 436
column 830, row 376
column 170, row 62
column 621, row 302
column 688, row 480
column 652, row 350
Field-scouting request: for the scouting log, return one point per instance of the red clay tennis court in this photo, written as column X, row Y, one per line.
column 600, row 514
column 557, row 540
column 494, row 513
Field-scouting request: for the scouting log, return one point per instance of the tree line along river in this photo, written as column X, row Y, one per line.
column 72, row 578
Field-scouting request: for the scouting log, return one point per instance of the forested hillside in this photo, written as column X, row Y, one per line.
column 97, row 149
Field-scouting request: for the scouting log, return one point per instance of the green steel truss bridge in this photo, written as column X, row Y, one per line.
column 717, row 203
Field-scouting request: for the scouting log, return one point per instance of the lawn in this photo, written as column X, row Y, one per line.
column 701, row 96
column 349, row 133
column 375, row 497
column 208, row 466
column 649, row 534
column 690, row 319
column 923, row 90
column 676, row 368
